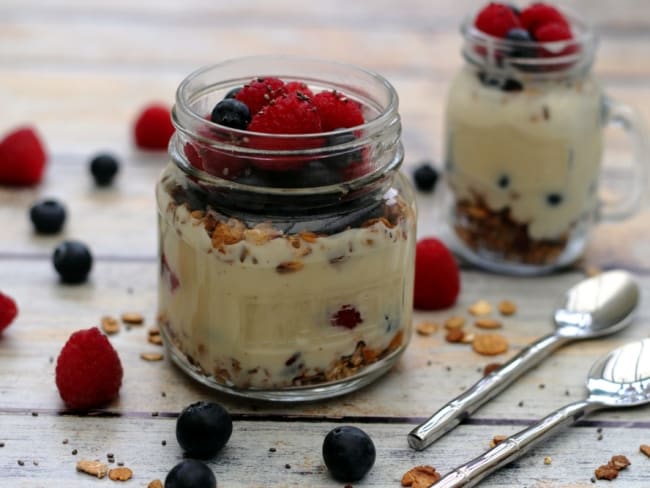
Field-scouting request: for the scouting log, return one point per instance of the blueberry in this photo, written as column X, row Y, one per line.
column 47, row 216
column 348, row 453
column 554, row 199
column 233, row 93
column 231, row 113
column 519, row 35
column 343, row 159
column 72, row 260
column 190, row 473
column 508, row 85
column 104, row 167
column 203, row 428
column 503, row 181
column 425, row 177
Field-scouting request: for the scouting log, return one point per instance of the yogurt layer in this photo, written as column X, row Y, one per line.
column 535, row 151
column 273, row 311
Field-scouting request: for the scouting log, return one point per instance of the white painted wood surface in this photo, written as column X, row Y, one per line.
column 80, row 71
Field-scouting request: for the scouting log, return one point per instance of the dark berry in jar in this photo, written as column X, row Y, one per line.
column 103, row 168
column 518, row 34
column 233, row 93
column 344, row 157
column 203, row 428
column 349, row 453
column 73, row 261
column 190, row 473
column 48, row 216
column 231, row 113
column 425, row 177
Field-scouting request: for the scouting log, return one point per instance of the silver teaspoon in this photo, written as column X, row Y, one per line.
column 619, row 379
column 595, row 307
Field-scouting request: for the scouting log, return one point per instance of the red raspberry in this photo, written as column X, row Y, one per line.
column 539, row 14
column 337, row 111
column 153, row 127
column 298, row 86
column 8, row 311
column 553, row 32
column 88, row 371
column 437, row 279
column 347, row 316
column 496, row 19
column 22, row 158
column 213, row 161
column 258, row 93
column 293, row 113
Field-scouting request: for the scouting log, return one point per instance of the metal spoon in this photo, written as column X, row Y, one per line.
column 619, row 379
column 595, row 307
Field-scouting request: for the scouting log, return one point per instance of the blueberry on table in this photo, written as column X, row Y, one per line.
column 349, row 453
column 425, row 177
column 231, row 113
column 203, row 428
column 72, row 260
column 104, row 167
column 190, row 473
column 47, row 216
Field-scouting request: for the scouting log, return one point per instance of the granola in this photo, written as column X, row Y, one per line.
column 420, row 477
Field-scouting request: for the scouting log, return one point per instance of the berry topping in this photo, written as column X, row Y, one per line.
column 349, row 453
column 8, row 311
column 233, row 92
column 231, row 113
column 153, row 128
column 22, row 158
column 425, row 177
column 337, row 111
column 298, row 86
column 190, row 473
column 258, row 93
column 347, row 316
column 203, row 428
column 518, row 35
column 554, row 199
column 554, row 31
column 88, row 370
column 72, row 260
column 47, row 216
column 437, row 279
column 104, row 167
column 496, row 19
column 293, row 113
column 539, row 14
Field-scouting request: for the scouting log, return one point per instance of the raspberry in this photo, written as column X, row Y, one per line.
column 22, row 158
column 88, row 371
column 553, row 31
column 293, row 113
column 8, row 311
column 347, row 316
column 214, row 161
column 258, row 93
column 437, row 280
column 496, row 19
column 298, row 86
column 539, row 14
column 337, row 111
column 153, row 127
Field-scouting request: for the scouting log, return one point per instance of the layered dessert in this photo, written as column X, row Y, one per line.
column 271, row 292
column 524, row 140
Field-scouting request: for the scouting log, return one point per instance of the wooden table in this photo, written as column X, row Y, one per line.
column 81, row 70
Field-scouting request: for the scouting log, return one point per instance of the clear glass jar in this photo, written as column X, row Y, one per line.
column 286, row 262
column 524, row 141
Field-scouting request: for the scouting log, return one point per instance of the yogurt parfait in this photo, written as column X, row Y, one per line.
column 287, row 234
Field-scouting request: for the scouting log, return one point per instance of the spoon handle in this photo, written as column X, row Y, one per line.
column 478, row 468
column 461, row 407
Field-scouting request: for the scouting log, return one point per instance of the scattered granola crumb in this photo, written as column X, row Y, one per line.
column 600, row 437
column 21, row 462
column 468, row 337
column 482, row 307
column 490, row 367
column 74, row 452
column 426, row 328
column 163, row 442
column 64, row 441
column 542, row 386
column 490, row 344
column 497, row 439
column 454, row 335
column 120, row 474
column 606, row 472
column 155, row 484
column 455, row 322
column 35, row 462
column 521, row 403
column 110, row 325
column 34, row 414
column 645, row 449
column 420, row 477
column 506, row 307
column 2, row 444
column 151, row 356
column 94, row 468
column 272, row 449
column 287, row 466
column 619, row 462
column 132, row 318
column 548, row 460
column 154, row 336
column 487, row 323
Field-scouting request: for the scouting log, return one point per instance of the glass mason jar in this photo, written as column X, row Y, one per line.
column 524, row 141
column 286, row 261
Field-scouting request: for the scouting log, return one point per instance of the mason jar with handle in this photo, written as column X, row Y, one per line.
column 524, row 143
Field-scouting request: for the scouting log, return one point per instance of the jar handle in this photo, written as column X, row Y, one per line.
column 629, row 119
